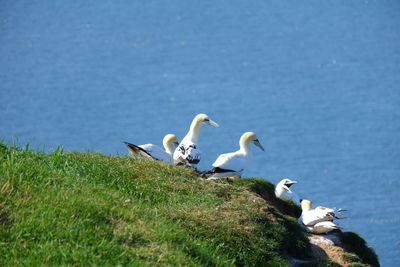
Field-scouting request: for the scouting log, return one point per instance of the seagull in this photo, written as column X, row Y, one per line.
column 310, row 217
column 187, row 152
column 170, row 142
column 282, row 190
column 322, row 227
column 232, row 164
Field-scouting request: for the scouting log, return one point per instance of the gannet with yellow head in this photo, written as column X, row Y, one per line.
column 170, row 142
column 232, row 164
column 282, row 190
column 310, row 216
column 187, row 153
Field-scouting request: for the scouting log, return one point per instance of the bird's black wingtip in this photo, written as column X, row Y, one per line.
column 129, row 144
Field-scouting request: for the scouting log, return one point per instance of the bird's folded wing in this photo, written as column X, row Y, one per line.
column 137, row 151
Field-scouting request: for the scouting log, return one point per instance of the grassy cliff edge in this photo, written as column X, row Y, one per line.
column 68, row 208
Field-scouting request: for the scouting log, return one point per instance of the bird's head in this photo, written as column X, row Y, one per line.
column 251, row 137
column 286, row 183
column 205, row 120
column 306, row 205
column 170, row 141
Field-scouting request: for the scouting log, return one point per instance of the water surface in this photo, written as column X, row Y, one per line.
column 318, row 82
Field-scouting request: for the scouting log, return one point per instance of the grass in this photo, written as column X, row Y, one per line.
column 68, row 208
column 357, row 245
column 353, row 259
column 319, row 263
column 267, row 191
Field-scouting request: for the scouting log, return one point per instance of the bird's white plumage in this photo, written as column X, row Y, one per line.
column 187, row 153
column 310, row 217
column 322, row 227
column 314, row 216
column 233, row 163
column 157, row 152
column 282, row 190
column 318, row 220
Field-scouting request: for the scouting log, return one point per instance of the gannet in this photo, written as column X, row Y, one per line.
column 310, row 217
column 170, row 142
column 187, row 153
column 233, row 164
column 322, row 227
column 282, row 190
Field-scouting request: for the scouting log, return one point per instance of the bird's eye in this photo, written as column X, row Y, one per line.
column 206, row 120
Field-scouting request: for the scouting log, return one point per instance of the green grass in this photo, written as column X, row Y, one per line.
column 357, row 245
column 351, row 257
column 67, row 208
column 358, row 264
column 354, row 260
column 267, row 191
column 320, row 263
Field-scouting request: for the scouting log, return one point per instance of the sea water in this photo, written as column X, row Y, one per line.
column 317, row 81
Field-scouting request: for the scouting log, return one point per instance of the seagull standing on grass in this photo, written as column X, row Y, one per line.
column 282, row 190
column 187, row 153
column 318, row 220
column 170, row 142
column 233, row 164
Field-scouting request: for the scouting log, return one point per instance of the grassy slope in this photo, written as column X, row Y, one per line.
column 92, row 209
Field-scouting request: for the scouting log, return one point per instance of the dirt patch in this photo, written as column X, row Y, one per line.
column 335, row 253
column 322, row 249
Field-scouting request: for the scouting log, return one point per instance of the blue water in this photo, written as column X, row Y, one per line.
column 317, row 81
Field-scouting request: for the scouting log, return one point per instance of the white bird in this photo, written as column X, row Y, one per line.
column 233, row 164
column 310, row 217
column 187, row 153
column 282, row 190
column 170, row 142
column 322, row 227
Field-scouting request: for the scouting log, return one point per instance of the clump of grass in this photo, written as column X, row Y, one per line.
column 358, row 264
column 319, row 263
column 353, row 260
column 267, row 191
column 67, row 208
column 351, row 257
column 357, row 245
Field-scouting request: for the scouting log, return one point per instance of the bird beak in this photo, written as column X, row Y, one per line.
column 213, row 123
column 257, row 143
column 291, row 182
column 287, row 188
